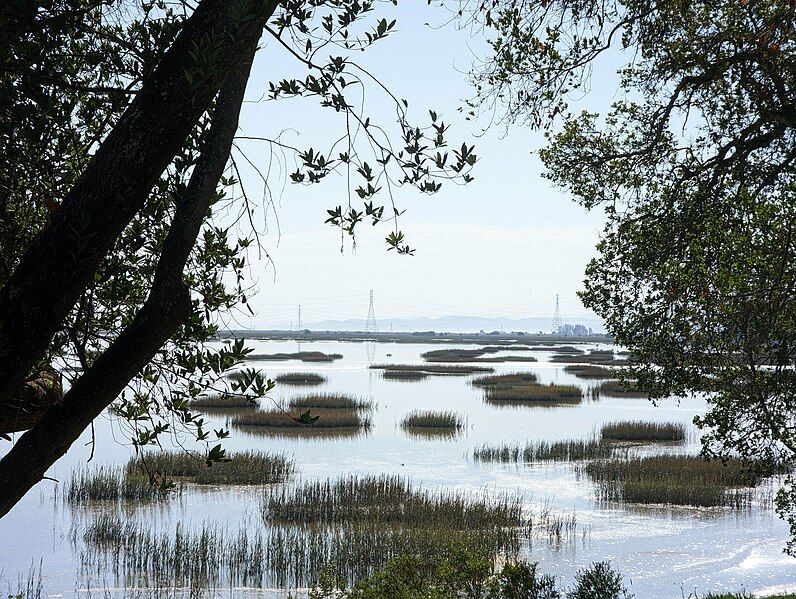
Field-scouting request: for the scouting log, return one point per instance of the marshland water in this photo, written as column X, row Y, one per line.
column 436, row 458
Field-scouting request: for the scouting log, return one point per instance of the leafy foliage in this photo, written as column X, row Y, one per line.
column 694, row 168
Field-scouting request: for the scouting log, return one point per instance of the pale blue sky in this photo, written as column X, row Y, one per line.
column 503, row 245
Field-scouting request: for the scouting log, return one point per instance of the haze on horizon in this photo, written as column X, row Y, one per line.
column 501, row 247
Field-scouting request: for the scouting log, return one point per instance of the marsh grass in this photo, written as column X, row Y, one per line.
column 303, row 356
column 619, row 389
column 678, row 480
column 353, row 524
column 389, row 500
column 243, row 468
column 109, row 484
column 534, row 395
column 454, row 369
column 638, row 430
column 559, row 349
column 405, row 375
column 604, row 357
column 590, row 371
column 429, row 419
column 327, row 419
column 330, row 401
column 511, row 379
column 224, row 401
column 542, row 451
column 475, row 355
column 301, row 379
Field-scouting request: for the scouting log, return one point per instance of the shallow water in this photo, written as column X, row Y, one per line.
column 663, row 552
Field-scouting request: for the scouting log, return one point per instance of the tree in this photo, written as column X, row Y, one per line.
column 127, row 112
column 694, row 168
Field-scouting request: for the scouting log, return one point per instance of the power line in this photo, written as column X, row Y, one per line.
column 370, row 323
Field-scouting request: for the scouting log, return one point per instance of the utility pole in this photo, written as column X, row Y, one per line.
column 370, row 322
column 556, row 318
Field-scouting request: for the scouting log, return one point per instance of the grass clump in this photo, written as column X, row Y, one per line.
column 475, row 355
column 619, row 389
column 541, row 451
column 534, row 394
column 244, row 468
column 303, row 356
column 224, row 401
column 405, row 375
column 109, row 484
column 301, row 379
column 279, row 420
column 604, row 357
column 511, row 379
column 429, row 419
column 389, row 500
column 590, row 371
column 330, row 401
column 455, row 369
column 677, row 480
column 638, row 430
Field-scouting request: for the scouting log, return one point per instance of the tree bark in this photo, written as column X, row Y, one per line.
column 165, row 309
column 64, row 256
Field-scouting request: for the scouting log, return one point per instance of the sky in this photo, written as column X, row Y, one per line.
column 502, row 246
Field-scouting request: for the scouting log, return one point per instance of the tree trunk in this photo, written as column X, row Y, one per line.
column 166, row 308
column 64, row 256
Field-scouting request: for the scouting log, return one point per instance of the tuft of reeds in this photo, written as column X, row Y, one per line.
column 590, row 371
column 511, row 379
column 389, row 500
column 456, row 369
column 224, row 401
column 327, row 419
column 303, row 356
column 638, row 430
column 244, row 468
column 560, row 349
column 330, row 401
column 545, row 451
column 535, row 394
column 618, row 389
column 604, row 357
column 474, row 355
column 301, row 379
column 405, row 375
column 429, row 419
column 678, row 480
column 109, row 484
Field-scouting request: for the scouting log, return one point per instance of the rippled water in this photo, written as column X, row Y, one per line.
column 663, row 552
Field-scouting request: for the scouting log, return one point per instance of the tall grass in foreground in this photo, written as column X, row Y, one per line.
column 301, row 379
column 541, row 451
column 354, row 524
column 678, row 480
column 327, row 419
column 330, row 401
column 244, row 468
column 432, row 419
column 534, row 395
column 109, row 484
column 638, row 430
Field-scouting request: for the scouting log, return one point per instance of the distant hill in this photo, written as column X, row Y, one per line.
column 455, row 324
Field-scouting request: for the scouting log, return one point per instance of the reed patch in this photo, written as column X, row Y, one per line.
column 330, row 401
column 637, row 430
column 277, row 419
column 301, row 379
column 430, row 419
column 453, row 369
column 302, row 356
column 545, row 451
column 590, row 371
column 224, row 401
column 534, row 395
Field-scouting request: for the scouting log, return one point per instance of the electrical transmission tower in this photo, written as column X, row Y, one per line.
column 299, row 325
column 370, row 323
column 556, row 318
